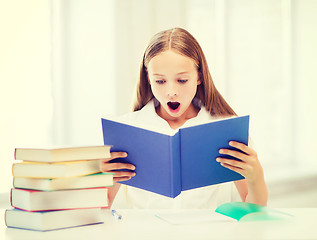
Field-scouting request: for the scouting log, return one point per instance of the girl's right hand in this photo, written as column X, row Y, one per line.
column 107, row 166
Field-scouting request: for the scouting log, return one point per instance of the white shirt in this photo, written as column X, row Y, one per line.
column 209, row 197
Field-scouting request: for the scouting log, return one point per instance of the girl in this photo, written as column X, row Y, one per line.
column 176, row 89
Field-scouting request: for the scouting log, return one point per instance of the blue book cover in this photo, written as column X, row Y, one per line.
column 168, row 164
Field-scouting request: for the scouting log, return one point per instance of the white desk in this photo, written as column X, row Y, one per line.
column 142, row 224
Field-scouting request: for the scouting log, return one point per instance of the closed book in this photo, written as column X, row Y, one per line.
column 89, row 181
column 186, row 159
column 55, row 170
column 32, row 200
column 62, row 154
column 52, row 220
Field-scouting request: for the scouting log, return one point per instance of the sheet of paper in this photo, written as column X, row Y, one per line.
column 192, row 216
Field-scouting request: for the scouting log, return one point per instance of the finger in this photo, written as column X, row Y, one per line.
column 118, row 155
column 115, row 155
column 123, row 174
column 117, row 166
column 106, row 166
column 234, row 153
column 231, row 162
column 233, row 168
column 120, row 179
column 242, row 147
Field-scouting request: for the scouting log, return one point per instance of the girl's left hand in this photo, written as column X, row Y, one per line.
column 249, row 166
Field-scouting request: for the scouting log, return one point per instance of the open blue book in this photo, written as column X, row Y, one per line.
column 168, row 164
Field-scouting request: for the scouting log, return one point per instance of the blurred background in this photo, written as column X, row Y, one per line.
column 64, row 64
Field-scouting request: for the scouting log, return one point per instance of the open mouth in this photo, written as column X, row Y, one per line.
column 174, row 106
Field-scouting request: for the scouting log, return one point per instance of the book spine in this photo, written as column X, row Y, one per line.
column 175, row 165
column 11, row 197
column 5, row 217
column 15, row 154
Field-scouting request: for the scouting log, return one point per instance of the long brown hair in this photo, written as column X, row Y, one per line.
column 184, row 43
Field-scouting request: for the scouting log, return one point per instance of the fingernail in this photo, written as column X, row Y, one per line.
column 231, row 143
column 218, row 159
column 125, row 154
column 133, row 174
column 220, row 151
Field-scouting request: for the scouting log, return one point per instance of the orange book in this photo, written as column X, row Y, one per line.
column 42, row 184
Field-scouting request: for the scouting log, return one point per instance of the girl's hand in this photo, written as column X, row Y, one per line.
column 249, row 166
column 107, row 166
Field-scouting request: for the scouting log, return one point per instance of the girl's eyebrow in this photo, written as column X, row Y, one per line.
column 162, row 75
column 181, row 73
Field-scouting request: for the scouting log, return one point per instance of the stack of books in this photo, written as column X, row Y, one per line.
column 58, row 188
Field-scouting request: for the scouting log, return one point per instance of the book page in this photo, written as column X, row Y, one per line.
column 143, row 125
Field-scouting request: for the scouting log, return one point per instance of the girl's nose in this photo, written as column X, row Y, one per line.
column 172, row 91
column 172, row 94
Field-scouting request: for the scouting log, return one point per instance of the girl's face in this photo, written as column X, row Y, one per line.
column 173, row 79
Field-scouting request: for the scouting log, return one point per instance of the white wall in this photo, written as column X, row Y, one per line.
column 83, row 66
column 25, row 84
column 305, row 75
column 64, row 64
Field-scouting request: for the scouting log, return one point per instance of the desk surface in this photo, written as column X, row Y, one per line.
column 142, row 224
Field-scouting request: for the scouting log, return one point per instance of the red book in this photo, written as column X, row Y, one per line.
column 32, row 200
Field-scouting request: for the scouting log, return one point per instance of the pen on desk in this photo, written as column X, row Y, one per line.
column 116, row 214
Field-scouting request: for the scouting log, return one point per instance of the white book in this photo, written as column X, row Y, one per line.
column 31, row 200
column 62, row 154
column 89, row 181
column 52, row 220
column 55, row 170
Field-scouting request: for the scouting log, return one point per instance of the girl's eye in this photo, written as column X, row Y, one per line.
column 160, row 81
column 182, row 80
